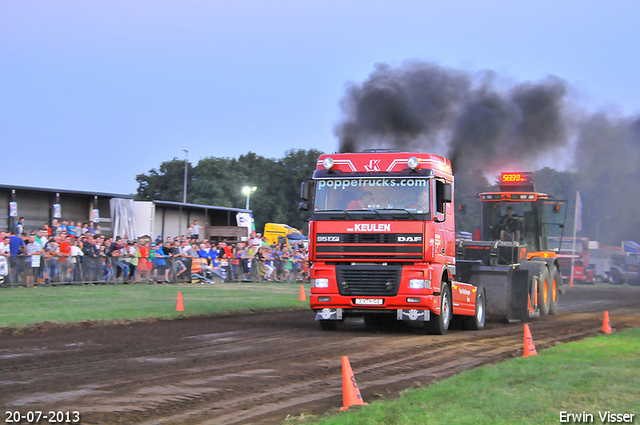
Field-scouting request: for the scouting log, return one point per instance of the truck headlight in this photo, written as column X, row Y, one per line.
column 419, row 283
column 319, row 283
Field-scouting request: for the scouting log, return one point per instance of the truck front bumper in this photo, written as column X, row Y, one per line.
column 335, row 306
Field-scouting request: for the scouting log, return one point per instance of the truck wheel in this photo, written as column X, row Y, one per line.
column 476, row 322
column 544, row 300
column 329, row 325
column 554, row 281
column 616, row 277
column 439, row 323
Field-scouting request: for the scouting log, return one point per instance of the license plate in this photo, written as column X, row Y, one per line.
column 369, row 301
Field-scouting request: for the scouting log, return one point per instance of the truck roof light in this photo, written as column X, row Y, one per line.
column 328, row 163
column 413, row 162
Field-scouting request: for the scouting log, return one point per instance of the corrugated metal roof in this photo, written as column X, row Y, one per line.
column 64, row 191
column 117, row 195
column 208, row 207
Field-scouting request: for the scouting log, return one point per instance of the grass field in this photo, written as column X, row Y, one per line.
column 23, row 306
column 593, row 376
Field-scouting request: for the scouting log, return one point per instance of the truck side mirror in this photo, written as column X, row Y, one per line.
column 304, row 190
column 303, row 206
column 447, row 193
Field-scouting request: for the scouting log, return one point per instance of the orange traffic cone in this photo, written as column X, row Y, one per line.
column 303, row 296
column 606, row 323
column 350, row 392
column 529, row 348
column 179, row 306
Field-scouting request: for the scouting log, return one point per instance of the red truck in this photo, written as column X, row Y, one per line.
column 576, row 255
column 382, row 244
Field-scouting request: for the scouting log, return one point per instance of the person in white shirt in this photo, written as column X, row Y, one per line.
column 34, row 249
column 195, row 230
column 5, row 253
column 5, row 249
column 257, row 240
column 76, row 252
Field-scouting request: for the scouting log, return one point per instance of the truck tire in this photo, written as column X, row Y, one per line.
column 555, row 279
column 439, row 323
column 615, row 277
column 329, row 325
column 544, row 300
column 476, row 322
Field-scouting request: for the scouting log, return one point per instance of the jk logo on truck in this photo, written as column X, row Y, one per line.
column 374, row 165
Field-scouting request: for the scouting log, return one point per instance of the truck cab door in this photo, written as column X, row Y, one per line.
column 554, row 214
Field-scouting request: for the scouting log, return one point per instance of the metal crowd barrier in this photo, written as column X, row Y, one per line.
column 30, row 270
column 26, row 270
column 34, row 270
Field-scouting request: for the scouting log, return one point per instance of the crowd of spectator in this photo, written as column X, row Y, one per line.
column 68, row 252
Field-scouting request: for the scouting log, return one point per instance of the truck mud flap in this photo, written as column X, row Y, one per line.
column 507, row 292
column 519, row 298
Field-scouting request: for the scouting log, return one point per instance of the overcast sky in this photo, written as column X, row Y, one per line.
column 94, row 93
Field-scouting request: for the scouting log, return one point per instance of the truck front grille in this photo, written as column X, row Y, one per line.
column 368, row 280
column 369, row 246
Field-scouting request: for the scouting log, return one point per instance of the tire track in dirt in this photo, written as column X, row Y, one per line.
column 259, row 368
column 430, row 364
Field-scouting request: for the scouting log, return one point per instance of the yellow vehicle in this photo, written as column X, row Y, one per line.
column 283, row 234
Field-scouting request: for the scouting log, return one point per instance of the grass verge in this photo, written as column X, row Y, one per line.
column 598, row 374
column 26, row 306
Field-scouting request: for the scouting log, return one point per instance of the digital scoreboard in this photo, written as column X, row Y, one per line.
column 519, row 178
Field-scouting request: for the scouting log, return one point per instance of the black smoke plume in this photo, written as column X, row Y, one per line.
column 485, row 124
column 428, row 107
column 607, row 163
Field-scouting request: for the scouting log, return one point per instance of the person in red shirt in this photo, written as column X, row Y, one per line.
column 225, row 254
column 65, row 248
column 144, row 267
column 65, row 251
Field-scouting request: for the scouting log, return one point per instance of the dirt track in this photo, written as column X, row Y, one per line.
column 260, row 368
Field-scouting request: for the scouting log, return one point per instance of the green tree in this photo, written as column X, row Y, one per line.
column 295, row 167
column 166, row 183
column 215, row 182
column 219, row 182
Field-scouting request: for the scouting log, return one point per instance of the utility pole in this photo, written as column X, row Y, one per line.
column 184, row 191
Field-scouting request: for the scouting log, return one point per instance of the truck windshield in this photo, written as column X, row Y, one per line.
column 368, row 193
column 509, row 221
